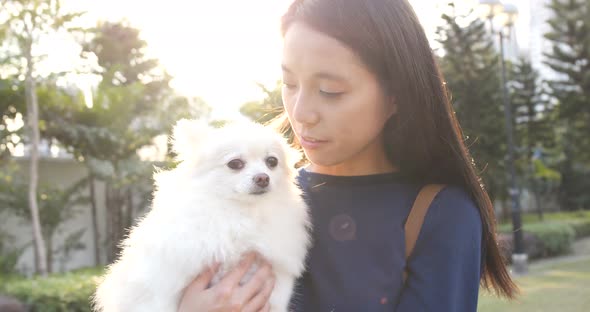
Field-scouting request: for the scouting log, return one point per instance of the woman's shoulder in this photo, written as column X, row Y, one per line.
column 454, row 212
column 455, row 198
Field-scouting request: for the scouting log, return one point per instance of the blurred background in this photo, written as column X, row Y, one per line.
column 89, row 91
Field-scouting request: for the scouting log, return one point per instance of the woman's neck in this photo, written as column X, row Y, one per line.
column 371, row 160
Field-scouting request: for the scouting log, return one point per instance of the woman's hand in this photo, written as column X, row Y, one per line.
column 228, row 295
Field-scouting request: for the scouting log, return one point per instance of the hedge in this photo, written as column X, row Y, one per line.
column 69, row 292
column 553, row 236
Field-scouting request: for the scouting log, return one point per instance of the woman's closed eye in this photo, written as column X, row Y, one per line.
column 325, row 93
column 331, row 94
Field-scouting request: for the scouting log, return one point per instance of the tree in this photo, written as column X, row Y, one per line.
column 11, row 104
column 121, row 56
column 104, row 137
column 26, row 21
column 267, row 109
column 533, row 113
column 470, row 66
column 56, row 204
column 132, row 105
column 569, row 57
column 533, row 120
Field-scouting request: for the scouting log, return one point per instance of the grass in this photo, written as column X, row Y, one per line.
column 563, row 287
column 532, row 217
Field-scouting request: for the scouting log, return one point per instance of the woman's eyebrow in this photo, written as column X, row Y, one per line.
column 320, row 75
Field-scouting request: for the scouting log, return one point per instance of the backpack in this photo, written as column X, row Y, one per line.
column 416, row 218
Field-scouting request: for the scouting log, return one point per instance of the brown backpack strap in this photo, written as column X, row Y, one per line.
column 416, row 217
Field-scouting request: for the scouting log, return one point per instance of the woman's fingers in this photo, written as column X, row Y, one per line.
column 256, row 284
column 229, row 282
column 266, row 308
column 204, row 278
column 259, row 298
column 195, row 293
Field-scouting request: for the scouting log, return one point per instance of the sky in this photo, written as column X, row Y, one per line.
column 216, row 50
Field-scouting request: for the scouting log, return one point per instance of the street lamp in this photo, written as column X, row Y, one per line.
column 491, row 8
column 505, row 15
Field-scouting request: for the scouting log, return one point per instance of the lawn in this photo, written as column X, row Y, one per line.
column 563, row 287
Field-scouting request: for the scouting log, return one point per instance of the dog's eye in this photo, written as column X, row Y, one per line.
column 272, row 162
column 236, row 164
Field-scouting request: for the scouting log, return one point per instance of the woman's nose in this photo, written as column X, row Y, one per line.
column 304, row 111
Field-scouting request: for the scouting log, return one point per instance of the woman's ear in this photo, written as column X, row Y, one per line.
column 391, row 107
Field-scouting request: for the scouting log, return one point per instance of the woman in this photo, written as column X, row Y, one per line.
column 367, row 103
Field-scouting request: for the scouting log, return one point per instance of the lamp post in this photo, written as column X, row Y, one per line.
column 506, row 15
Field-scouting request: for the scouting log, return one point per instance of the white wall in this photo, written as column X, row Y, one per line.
column 60, row 172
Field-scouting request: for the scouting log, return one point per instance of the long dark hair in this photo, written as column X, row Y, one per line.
column 423, row 139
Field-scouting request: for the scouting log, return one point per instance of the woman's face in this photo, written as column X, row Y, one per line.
column 335, row 105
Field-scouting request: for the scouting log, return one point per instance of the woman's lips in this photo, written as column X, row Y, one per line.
column 311, row 143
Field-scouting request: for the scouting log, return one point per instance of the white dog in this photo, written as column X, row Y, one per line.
column 233, row 192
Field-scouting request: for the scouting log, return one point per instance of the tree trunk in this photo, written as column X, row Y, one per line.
column 505, row 211
column 49, row 259
column 129, row 216
column 33, row 121
column 529, row 154
column 95, row 233
column 115, row 220
column 109, row 223
column 118, row 223
column 537, row 194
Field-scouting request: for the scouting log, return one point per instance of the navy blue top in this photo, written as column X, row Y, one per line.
column 357, row 258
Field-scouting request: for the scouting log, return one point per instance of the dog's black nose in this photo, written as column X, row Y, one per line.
column 261, row 179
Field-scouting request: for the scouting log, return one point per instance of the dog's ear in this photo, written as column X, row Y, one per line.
column 187, row 135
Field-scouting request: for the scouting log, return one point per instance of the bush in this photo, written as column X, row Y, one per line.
column 8, row 256
column 581, row 227
column 558, row 216
column 541, row 239
column 557, row 238
column 533, row 246
column 69, row 292
column 579, row 221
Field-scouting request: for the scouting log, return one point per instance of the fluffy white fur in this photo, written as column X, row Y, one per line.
column 204, row 212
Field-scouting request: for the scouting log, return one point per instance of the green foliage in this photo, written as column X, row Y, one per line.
column 8, row 255
column 575, row 185
column 557, row 238
column 531, row 110
column 70, row 292
column 581, row 227
column 102, row 131
column 121, row 56
column 56, row 205
column 132, row 105
column 120, row 52
column 557, row 232
column 470, row 65
column 11, row 103
column 549, row 287
column 267, row 109
column 25, row 22
column 543, row 172
column 570, row 58
column 535, row 136
column 559, row 216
